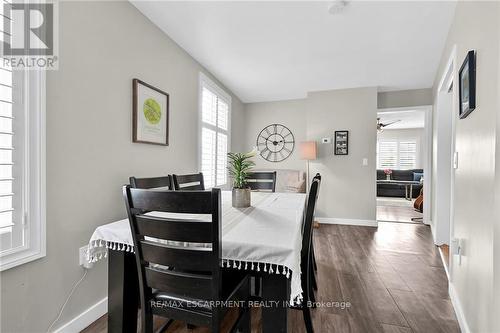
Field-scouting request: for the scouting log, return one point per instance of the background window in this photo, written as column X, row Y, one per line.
column 22, row 181
column 215, row 119
column 398, row 155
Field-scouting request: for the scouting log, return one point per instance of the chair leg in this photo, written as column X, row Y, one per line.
column 314, row 282
column 312, row 297
column 146, row 321
column 257, row 285
column 315, row 266
column 215, row 323
column 307, row 319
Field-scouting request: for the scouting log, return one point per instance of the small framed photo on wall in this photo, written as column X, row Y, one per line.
column 467, row 82
column 341, row 146
column 150, row 114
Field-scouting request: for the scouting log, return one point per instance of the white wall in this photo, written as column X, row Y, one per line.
column 289, row 113
column 416, row 134
column 90, row 154
column 496, row 240
column 476, row 26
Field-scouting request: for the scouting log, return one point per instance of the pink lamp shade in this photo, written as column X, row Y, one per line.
column 308, row 150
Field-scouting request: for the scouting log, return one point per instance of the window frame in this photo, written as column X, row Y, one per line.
column 34, row 170
column 205, row 81
column 398, row 154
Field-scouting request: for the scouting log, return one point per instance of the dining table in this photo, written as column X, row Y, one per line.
column 264, row 239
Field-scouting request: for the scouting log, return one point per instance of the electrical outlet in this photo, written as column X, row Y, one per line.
column 83, row 257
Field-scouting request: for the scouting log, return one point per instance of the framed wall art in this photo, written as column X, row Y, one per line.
column 467, row 82
column 341, row 146
column 150, row 114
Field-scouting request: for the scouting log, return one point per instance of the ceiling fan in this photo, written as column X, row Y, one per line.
column 380, row 126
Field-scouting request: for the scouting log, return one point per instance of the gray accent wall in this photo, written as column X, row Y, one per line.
column 348, row 190
column 290, row 113
column 90, row 154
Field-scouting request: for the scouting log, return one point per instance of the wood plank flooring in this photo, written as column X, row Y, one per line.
column 392, row 277
column 397, row 210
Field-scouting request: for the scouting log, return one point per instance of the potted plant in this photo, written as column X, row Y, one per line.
column 239, row 167
column 388, row 173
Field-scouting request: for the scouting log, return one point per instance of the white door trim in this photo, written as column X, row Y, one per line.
column 427, row 109
column 448, row 80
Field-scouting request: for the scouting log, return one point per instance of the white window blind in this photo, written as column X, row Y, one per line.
column 387, row 155
column 22, row 146
column 395, row 154
column 407, row 155
column 11, row 235
column 215, row 120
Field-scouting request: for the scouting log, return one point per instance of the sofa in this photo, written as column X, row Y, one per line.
column 395, row 190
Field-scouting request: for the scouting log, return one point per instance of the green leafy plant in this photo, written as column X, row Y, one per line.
column 239, row 167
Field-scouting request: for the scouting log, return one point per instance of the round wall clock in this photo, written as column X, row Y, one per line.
column 275, row 143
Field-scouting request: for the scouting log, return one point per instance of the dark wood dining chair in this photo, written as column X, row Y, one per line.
column 306, row 257
column 188, row 291
column 164, row 182
column 191, row 182
column 262, row 181
column 315, row 266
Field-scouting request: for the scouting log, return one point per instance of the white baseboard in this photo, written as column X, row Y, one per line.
column 334, row 220
column 464, row 327
column 86, row 318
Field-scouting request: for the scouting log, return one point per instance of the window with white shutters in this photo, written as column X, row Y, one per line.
column 215, row 111
column 22, row 212
column 397, row 154
column 387, row 155
column 407, row 155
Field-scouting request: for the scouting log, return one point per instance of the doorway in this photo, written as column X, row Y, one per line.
column 403, row 149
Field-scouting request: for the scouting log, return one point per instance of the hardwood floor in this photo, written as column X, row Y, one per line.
column 392, row 278
column 445, row 251
column 397, row 210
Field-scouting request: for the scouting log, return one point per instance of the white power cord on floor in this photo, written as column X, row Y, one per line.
column 67, row 299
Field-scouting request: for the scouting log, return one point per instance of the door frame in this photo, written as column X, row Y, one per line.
column 427, row 109
column 448, row 79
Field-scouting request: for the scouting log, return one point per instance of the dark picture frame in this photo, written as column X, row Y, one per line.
column 147, row 123
column 467, row 85
column 341, row 145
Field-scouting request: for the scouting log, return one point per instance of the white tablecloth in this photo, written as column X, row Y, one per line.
column 264, row 237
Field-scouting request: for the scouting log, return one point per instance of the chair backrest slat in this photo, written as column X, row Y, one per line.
column 178, row 257
column 191, row 182
column 175, row 230
column 262, row 181
column 196, row 286
column 153, row 182
column 192, row 271
column 193, row 202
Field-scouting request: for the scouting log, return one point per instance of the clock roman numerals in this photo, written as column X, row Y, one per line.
column 275, row 143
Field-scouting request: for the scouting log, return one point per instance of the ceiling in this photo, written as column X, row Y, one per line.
column 408, row 119
column 266, row 51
